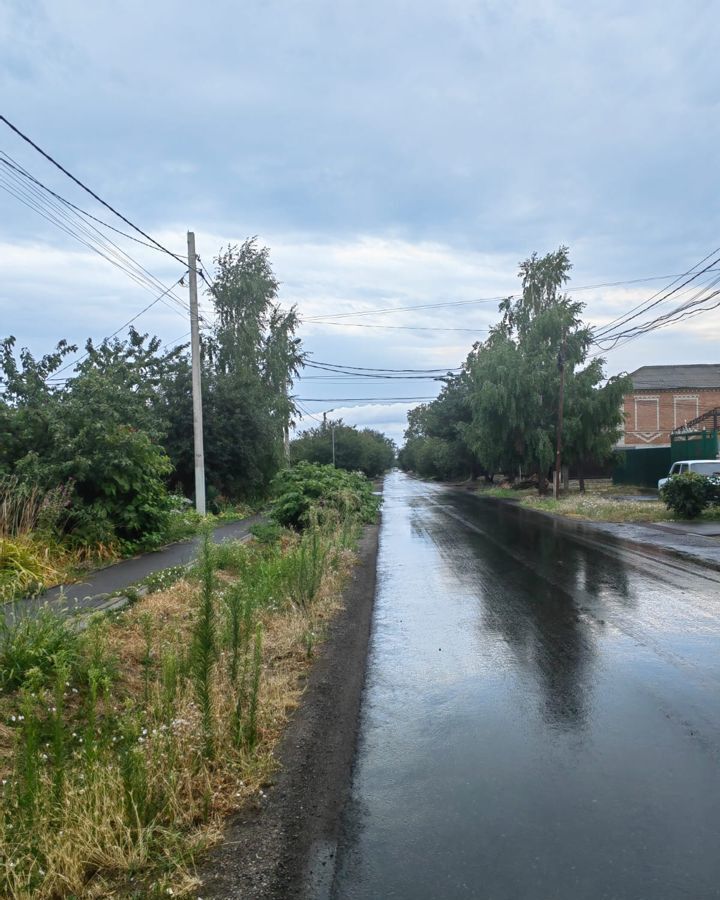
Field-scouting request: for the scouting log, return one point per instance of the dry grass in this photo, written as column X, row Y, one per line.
column 595, row 506
column 100, row 840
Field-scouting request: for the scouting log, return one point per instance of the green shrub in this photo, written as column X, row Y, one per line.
column 266, row 532
column 33, row 646
column 313, row 494
column 687, row 495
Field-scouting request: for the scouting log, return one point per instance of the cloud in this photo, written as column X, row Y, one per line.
column 390, row 154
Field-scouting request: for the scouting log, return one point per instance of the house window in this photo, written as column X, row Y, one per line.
column 685, row 408
column 647, row 414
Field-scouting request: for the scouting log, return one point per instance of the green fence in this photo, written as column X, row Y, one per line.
column 694, row 445
column 643, row 467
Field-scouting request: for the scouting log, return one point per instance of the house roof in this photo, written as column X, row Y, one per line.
column 666, row 378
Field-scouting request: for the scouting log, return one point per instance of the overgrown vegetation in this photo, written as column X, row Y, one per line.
column 354, row 449
column 687, row 495
column 311, row 494
column 122, row 746
column 96, row 456
column 604, row 503
column 500, row 413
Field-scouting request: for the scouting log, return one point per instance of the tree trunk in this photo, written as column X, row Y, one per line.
column 581, row 478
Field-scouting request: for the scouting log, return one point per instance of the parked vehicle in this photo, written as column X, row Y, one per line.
column 710, row 468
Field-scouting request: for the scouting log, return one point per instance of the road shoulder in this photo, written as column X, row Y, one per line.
column 285, row 848
column 656, row 538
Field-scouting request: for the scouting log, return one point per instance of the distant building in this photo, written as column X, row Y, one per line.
column 667, row 397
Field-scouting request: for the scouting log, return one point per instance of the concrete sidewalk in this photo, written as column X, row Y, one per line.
column 92, row 593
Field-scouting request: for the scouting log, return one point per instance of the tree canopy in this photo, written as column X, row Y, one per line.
column 119, row 428
column 501, row 412
column 356, row 450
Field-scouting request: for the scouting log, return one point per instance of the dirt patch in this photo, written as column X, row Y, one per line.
column 284, row 846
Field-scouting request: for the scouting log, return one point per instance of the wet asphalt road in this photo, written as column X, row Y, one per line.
column 541, row 716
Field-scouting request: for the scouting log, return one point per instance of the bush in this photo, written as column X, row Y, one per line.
column 687, row 495
column 310, row 494
column 33, row 645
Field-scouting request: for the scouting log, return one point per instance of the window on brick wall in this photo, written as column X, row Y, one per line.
column 647, row 414
column 685, row 408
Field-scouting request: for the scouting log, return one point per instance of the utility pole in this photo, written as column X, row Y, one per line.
column 196, row 383
column 332, row 431
column 561, row 406
column 286, row 423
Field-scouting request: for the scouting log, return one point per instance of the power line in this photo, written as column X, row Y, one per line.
column 86, row 233
column 83, row 233
column 121, row 328
column 317, row 364
column 647, row 305
column 360, row 399
column 13, row 164
column 676, row 314
column 585, row 287
column 394, row 327
column 88, row 190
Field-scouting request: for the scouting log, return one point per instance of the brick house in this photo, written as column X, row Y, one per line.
column 666, row 397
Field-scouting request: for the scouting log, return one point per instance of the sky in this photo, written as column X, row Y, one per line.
column 388, row 153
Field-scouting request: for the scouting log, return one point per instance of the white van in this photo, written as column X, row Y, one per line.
column 710, row 468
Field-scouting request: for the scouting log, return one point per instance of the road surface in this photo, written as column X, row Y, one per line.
column 541, row 719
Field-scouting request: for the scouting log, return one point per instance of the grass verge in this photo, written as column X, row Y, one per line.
column 605, row 505
column 123, row 747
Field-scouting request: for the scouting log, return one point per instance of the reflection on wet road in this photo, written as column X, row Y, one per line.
column 541, row 718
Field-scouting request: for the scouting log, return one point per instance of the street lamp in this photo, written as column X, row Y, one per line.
column 332, row 430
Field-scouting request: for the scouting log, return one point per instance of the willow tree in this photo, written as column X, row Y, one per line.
column 515, row 379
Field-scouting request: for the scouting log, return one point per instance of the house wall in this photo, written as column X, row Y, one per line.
column 650, row 416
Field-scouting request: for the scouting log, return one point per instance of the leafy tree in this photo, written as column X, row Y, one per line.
column 249, row 361
column 507, row 417
column 436, row 445
column 100, row 433
column 356, row 450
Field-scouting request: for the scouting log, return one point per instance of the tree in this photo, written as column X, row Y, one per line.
column 509, row 388
column 366, row 450
column 99, row 433
column 249, row 361
column 435, row 440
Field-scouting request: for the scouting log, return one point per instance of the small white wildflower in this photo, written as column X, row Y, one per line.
column 21, row 718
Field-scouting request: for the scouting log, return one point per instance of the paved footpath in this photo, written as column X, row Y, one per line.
column 92, row 593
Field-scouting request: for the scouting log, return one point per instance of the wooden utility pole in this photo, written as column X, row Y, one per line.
column 196, row 381
column 561, row 406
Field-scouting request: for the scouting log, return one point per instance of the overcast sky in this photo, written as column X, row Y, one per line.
column 389, row 154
